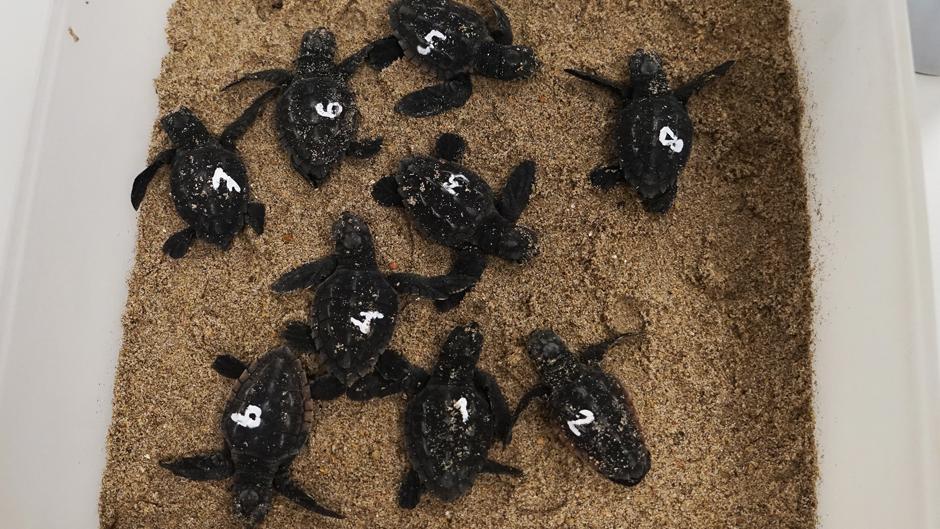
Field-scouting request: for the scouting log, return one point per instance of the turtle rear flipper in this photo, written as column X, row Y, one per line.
column 437, row 99
column 178, row 244
column 364, row 148
column 203, row 467
column 409, row 494
column 326, row 387
column 384, row 53
column 299, row 337
column 255, row 217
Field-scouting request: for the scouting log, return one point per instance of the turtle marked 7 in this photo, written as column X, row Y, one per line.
column 454, row 41
column 455, row 207
column 654, row 131
column 316, row 117
column 208, row 182
column 265, row 423
column 454, row 415
column 355, row 307
column 590, row 408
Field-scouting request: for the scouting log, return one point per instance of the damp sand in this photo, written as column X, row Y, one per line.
column 721, row 378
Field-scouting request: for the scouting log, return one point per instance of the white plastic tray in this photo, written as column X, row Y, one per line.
column 71, row 243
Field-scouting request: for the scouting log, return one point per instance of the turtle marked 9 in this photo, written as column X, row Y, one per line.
column 605, row 428
column 472, row 221
column 447, row 450
column 355, row 307
column 317, row 141
column 258, row 455
column 200, row 162
column 651, row 117
column 454, row 41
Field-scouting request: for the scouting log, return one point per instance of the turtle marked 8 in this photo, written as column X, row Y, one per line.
column 590, row 407
column 208, row 181
column 265, row 424
column 454, row 41
column 355, row 307
column 453, row 417
column 654, row 131
column 455, row 207
column 316, row 116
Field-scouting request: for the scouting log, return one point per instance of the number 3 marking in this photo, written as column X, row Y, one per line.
column 429, row 38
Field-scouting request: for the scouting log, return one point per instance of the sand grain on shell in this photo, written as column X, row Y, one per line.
column 721, row 380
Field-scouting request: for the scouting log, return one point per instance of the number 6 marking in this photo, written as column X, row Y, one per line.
column 429, row 38
column 330, row 111
column 588, row 419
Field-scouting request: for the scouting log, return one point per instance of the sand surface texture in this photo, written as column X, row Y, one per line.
column 721, row 379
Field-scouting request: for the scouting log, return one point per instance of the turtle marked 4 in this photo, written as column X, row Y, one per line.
column 355, row 307
column 654, row 131
column 454, row 41
column 316, row 116
column 258, row 453
column 453, row 417
column 208, row 181
column 590, row 407
column 455, row 207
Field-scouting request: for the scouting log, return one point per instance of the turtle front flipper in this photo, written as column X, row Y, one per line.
column 470, row 264
column 306, row 276
column 146, row 176
column 538, row 392
column 276, row 76
column 437, row 288
column 501, row 31
column 364, row 148
column 240, row 126
column 228, row 366
column 326, row 387
column 450, row 147
column 299, row 337
column 393, row 374
column 437, row 99
column 594, row 354
column 494, row 395
column 499, row 469
column 292, row 491
column 515, row 195
column 607, row 176
column 696, row 85
column 409, row 494
column 384, row 52
column 203, row 467
column 385, row 192
column 178, row 244
column 603, row 82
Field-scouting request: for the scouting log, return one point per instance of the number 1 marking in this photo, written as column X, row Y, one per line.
column 588, row 419
column 429, row 38
column 461, row 405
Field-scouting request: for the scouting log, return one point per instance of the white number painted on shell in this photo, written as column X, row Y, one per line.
column 365, row 325
column 461, row 405
column 221, row 176
column 250, row 419
column 669, row 139
column 454, row 182
column 587, row 418
column 331, row 110
column 429, row 38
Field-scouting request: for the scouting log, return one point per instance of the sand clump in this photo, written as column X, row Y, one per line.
column 721, row 379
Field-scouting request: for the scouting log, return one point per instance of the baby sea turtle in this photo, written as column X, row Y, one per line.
column 209, row 182
column 453, row 206
column 265, row 424
column 316, row 116
column 453, row 417
column 654, row 131
column 355, row 306
column 589, row 406
column 454, row 41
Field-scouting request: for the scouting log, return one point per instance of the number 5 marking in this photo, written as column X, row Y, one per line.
column 429, row 38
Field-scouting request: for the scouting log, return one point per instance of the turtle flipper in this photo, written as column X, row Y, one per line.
column 594, row 354
column 385, row 192
column 299, row 337
column 493, row 467
column 203, row 467
column 292, row 491
column 178, row 244
column 326, row 387
column 607, row 176
column 240, row 126
column 306, row 276
column 486, row 383
column 450, row 147
column 593, row 78
column 537, row 392
column 436, row 288
column 437, row 99
column 364, row 148
column 384, row 52
column 143, row 179
column 662, row 202
column 393, row 374
column 501, row 31
column 470, row 264
column 409, row 494
column 515, row 195
column 255, row 217
column 228, row 366
column 276, row 76
column 696, row 85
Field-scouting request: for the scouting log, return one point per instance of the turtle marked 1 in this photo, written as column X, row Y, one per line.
column 654, row 131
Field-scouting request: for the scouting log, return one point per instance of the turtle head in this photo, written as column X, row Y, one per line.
column 317, row 51
column 518, row 244
column 461, row 351
column 548, row 352
column 185, row 129
column 647, row 74
column 252, row 496
column 505, row 61
column 353, row 240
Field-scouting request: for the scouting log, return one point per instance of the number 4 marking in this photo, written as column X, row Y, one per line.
column 429, row 38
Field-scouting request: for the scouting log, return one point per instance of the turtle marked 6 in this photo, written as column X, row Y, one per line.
column 591, row 408
column 355, row 307
column 316, row 116
column 454, row 41
column 654, row 131
column 208, row 181
column 258, row 453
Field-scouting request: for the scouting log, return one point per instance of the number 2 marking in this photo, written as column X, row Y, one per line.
column 330, row 111
column 455, row 181
column 669, row 139
column 588, row 419
column 250, row 419
column 429, row 38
